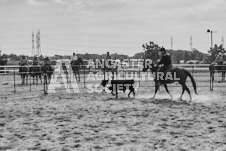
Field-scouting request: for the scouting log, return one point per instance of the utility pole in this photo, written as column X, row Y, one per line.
column 33, row 44
column 39, row 43
column 171, row 43
column 222, row 42
column 211, row 32
column 0, row 52
column 191, row 43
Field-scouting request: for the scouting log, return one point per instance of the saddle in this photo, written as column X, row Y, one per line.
column 164, row 70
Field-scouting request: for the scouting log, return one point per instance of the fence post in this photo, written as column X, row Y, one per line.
column 104, row 70
column 192, row 70
column 14, row 79
column 30, row 82
column 84, row 78
column 139, row 76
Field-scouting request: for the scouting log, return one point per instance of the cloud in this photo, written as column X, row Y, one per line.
column 92, row 5
column 37, row 2
column 60, row 1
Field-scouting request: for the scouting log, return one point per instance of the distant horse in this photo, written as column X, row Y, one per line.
column 214, row 68
column 24, row 74
column 35, row 72
column 47, row 71
column 181, row 76
column 76, row 65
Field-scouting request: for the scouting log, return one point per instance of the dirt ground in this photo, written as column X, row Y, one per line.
column 97, row 121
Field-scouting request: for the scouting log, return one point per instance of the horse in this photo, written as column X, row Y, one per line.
column 47, row 71
column 76, row 67
column 35, row 72
column 181, row 77
column 24, row 74
column 221, row 68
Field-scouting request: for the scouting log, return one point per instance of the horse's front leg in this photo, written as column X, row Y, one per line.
column 78, row 76
column 168, row 91
column 157, row 85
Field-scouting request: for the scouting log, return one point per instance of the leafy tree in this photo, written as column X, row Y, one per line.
column 214, row 52
column 139, row 55
column 151, row 51
column 186, row 56
column 178, row 55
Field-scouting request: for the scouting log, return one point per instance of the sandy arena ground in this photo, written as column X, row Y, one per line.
column 83, row 121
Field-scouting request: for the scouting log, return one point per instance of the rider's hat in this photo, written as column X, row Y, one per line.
column 162, row 49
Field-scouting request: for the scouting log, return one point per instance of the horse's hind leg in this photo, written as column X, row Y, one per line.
column 183, row 89
column 187, row 89
column 168, row 91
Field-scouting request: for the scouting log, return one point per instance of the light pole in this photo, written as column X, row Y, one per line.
column 211, row 32
column 211, row 75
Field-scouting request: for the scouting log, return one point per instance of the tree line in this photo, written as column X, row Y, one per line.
column 150, row 51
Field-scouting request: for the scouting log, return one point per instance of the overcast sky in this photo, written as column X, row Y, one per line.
column 117, row 26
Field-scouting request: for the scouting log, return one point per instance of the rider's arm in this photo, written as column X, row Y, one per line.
column 161, row 61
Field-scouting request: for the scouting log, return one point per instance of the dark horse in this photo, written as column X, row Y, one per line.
column 76, row 65
column 180, row 74
column 35, row 72
column 47, row 71
column 24, row 74
column 221, row 68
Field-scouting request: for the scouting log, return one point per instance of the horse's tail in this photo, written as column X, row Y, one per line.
column 192, row 80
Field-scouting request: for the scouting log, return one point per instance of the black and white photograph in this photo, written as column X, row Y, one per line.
column 112, row 75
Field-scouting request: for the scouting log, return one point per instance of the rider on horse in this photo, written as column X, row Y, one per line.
column 165, row 61
column 23, row 62
column 108, row 60
column 35, row 61
column 47, row 61
column 73, row 58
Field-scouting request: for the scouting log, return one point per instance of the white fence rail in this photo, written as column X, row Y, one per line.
column 191, row 67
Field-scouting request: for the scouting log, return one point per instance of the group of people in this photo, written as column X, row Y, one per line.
column 47, row 61
column 24, row 61
column 165, row 60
